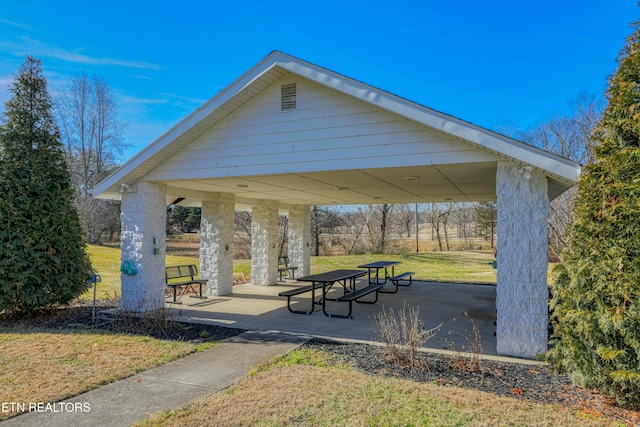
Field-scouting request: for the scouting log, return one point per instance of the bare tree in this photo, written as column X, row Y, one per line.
column 376, row 219
column 358, row 228
column 438, row 216
column 406, row 217
column 87, row 114
column 568, row 135
column 385, row 212
column 283, row 235
column 462, row 217
column 486, row 221
column 323, row 219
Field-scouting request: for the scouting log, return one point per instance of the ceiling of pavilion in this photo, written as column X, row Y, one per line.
column 433, row 183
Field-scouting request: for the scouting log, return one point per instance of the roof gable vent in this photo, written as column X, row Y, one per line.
column 288, row 97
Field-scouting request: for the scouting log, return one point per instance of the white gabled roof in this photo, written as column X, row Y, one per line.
column 563, row 172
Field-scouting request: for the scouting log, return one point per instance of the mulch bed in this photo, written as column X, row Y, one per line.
column 80, row 317
column 536, row 383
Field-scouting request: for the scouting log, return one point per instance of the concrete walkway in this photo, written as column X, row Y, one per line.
column 169, row 386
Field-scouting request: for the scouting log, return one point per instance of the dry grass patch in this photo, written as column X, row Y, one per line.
column 46, row 367
column 302, row 395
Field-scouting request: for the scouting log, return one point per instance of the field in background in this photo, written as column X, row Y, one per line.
column 188, row 244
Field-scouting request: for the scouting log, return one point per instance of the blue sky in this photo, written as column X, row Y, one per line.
column 498, row 63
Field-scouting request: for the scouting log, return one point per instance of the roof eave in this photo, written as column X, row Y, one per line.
column 564, row 169
column 108, row 188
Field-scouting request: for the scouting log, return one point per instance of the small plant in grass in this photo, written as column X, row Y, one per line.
column 297, row 357
column 205, row 346
column 403, row 334
column 467, row 357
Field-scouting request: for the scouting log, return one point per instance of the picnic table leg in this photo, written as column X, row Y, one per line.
column 342, row 316
column 324, row 301
column 387, row 277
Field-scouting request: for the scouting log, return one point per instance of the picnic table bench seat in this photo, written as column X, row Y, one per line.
column 183, row 277
column 297, row 291
column 359, row 293
column 350, row 297
column 396, row 281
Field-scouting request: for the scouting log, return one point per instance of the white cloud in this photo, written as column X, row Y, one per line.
column 29, row 46
column 132, row 100
column 16, row 24
column 185, row 99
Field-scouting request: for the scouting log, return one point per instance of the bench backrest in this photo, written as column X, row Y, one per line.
column 283, row 261
column 180, row 272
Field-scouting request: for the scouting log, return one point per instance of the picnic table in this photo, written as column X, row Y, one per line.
column 326, row 280
column 395, row 279
column 377, row 266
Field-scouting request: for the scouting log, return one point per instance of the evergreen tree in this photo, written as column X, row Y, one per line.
column 596, row 306
column 43, row 259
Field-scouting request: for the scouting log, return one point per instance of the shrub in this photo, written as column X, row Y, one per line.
column 43, row 259
column 595, row 307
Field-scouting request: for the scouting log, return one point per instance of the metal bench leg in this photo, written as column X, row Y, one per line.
column 407, row 284
column 369, row 302
column 395, row 285
column 176, row 298
column 198, row 293
column 313, row 303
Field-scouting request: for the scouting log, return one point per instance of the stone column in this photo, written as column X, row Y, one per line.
column 142, row 242
column 264, row 243
column 522, row 293
column 216, row 243
column 300, row 239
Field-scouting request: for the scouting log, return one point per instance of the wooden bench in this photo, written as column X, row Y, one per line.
column 284, row 269
column 298, row 291
column 356, row 295
column 396, row 281
column 175, row 279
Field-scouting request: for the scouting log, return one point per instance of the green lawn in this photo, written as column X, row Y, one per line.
column 454, row 266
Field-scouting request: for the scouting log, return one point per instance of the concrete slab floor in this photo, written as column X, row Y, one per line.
column 259, row 308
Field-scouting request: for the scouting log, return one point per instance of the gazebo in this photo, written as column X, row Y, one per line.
column 289, row 134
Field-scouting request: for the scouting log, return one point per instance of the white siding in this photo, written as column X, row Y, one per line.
column 327, row 131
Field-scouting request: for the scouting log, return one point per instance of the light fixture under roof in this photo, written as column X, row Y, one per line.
column 242, row 186
column 411, row 178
